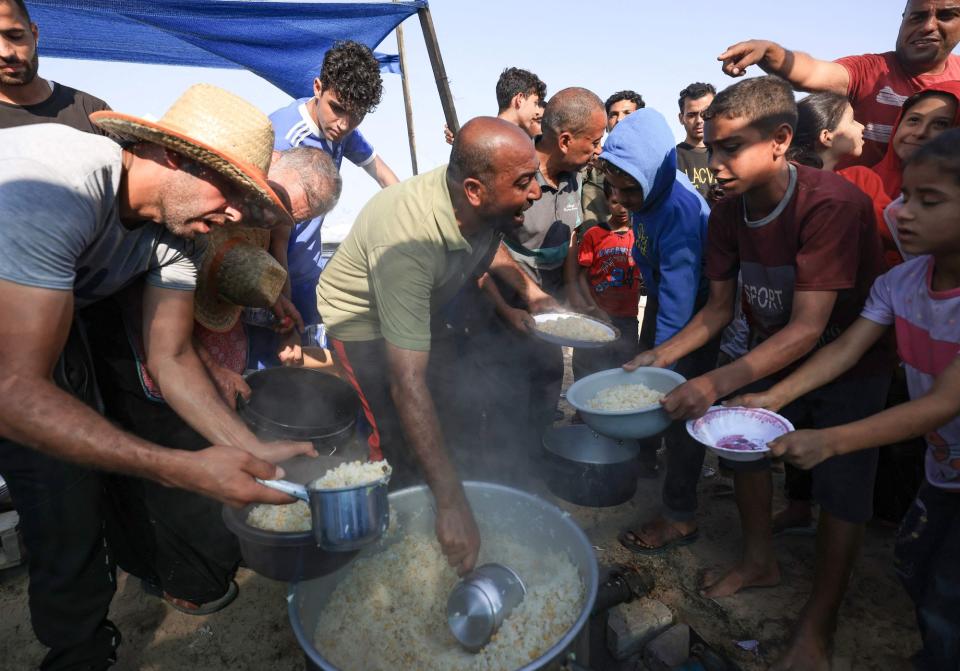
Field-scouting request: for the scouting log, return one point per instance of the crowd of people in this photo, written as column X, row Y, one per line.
column 146, row 265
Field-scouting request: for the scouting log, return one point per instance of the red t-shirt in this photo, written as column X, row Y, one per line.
column 613, row 274
column 878, row 87
column 822, row 237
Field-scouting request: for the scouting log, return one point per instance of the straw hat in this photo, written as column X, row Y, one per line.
column 236, row 272
column 213, row 127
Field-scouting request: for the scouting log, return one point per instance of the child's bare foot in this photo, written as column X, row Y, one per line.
column 740, row 577
column 807, row 652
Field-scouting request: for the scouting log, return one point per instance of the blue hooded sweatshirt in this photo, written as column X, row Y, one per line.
column 671, row 226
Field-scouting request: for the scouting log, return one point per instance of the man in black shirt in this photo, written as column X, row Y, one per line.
column 26, row 98
column 691, row 153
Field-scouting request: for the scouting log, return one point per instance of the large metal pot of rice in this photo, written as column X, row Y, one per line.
column 509, row 519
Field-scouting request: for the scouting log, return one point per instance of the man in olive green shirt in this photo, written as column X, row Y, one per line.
column 411, row 249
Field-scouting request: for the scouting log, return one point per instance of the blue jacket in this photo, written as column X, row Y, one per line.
column 671, row 226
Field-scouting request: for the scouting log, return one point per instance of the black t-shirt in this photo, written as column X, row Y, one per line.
column 693, row 162
column 66, row 106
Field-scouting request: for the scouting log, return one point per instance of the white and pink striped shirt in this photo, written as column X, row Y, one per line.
column 927, row 324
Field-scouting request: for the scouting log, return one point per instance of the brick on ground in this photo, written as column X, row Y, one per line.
column 668, row 650
column 632, row 625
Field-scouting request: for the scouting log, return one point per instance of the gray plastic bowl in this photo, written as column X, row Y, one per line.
column 641, row 423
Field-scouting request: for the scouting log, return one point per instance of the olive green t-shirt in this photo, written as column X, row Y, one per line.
column 403, row 259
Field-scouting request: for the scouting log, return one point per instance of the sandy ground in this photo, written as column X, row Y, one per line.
column 877, row 628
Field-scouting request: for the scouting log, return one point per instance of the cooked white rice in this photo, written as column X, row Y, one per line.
column 289, row 517
column 625, row 397
column 352, row 474
column 389, row 612
column 575, row 327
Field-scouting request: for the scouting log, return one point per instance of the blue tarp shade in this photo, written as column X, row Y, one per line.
column 283, row 42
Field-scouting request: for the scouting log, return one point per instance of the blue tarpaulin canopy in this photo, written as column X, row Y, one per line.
column 283, row 42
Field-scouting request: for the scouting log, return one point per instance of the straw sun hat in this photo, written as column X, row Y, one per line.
column 236, row 272
column 213, row 127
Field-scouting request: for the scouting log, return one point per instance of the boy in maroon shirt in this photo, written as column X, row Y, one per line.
column 808, row 250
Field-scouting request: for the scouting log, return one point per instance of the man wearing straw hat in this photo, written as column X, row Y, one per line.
column 80, row 219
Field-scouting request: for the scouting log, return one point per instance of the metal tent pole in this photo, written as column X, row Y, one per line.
column 407, row 101
column 439, row 73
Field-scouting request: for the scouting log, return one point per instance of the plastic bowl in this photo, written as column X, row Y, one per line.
column 285, row 556
column 642, row 423
column 738, row 434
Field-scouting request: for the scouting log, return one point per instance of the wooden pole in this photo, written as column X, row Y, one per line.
column 439, row 73
column 407, row 101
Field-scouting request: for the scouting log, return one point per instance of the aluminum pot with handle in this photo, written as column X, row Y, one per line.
column 523, row 516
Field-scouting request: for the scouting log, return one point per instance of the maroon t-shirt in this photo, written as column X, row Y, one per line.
column 822, row 237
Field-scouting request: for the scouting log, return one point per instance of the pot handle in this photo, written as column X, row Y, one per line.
column 287, row 487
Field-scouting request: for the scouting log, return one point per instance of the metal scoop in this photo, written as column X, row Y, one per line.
column 344, row 519
column 480, row 603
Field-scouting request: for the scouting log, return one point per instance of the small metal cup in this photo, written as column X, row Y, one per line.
column 343, row 519
column 480, row 603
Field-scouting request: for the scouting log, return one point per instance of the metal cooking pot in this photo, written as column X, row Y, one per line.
column 588, row 469
column 523, row 516
column 300, row 404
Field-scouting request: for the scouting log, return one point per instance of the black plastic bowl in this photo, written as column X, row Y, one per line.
column 300, row 404
column 286, row 556
column 588, row 469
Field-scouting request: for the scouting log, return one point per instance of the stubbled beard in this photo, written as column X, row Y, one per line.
column 28, row 75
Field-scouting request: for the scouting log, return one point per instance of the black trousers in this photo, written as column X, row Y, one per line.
column 79, row 524
column 684, row 454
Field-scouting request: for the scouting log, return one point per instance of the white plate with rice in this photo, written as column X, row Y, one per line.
column 574, row 330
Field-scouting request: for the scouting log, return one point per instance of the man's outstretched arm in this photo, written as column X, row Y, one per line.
column 34, row 324
column 803, row 71
column 456, row 528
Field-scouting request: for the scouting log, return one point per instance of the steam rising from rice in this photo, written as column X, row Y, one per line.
column 575, row 327
column 625, row 397
column 389, row 612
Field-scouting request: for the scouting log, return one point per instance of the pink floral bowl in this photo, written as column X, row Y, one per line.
column 738, row 434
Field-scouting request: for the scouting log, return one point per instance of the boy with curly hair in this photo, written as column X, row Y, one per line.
column 347, row 89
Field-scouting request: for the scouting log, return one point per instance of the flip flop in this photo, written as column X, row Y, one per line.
column 203, row 609
column 641, row 548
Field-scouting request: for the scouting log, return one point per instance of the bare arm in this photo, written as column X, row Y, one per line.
column 826, row 365
column 803, row 71
column 177, row 370
column 38, row 414
column 456, row 528
column 504, row 267
column 705, row 325
column 381, row 172
column 811, row 311
column 908, row 420
column 578, row 295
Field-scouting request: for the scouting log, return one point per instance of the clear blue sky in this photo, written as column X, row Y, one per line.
column 654, row 48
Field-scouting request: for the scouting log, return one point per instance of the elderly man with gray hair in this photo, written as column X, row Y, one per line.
column 573, row 124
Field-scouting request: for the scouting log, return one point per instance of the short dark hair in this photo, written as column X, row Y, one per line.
column 569, row 110
column 941, row 151
column 695, row 91
column 626, row 94
column 353, row 72
column 765, row 102
column 513, row 81
column 815, row 113
column 21, row 5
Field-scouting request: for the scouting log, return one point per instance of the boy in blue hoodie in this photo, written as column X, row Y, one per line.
column 639, row 161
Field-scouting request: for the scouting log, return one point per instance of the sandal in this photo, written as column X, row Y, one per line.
column 633, row 542
column 201, row 609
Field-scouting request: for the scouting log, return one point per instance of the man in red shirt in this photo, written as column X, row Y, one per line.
column 877, row 84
